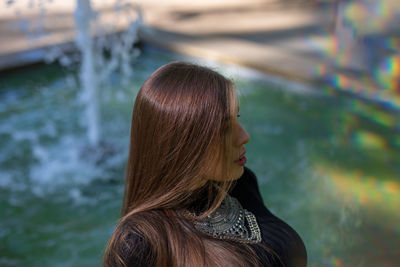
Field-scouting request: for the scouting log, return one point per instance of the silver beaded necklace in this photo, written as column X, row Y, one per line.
column 232, row 222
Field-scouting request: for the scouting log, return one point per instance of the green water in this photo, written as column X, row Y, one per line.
column 327, row 164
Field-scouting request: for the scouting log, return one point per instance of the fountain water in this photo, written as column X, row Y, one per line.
column 104, row 50
column 93, row 37
column 83, row 15
column 121, row 54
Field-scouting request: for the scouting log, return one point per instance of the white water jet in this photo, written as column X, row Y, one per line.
column 83, row 16
column 95, row 67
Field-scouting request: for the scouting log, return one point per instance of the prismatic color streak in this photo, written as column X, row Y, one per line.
column 376, row 195
column 366, row 19
column 336, row 262
column 388, row 73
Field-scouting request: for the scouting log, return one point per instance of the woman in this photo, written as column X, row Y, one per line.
column 189, row 200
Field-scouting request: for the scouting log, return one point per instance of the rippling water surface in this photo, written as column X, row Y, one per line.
column 327, row 164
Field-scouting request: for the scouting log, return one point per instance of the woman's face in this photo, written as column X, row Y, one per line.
column 239, row 138
column 235, row 156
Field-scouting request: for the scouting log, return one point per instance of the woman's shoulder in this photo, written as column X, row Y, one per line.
column 129, row 246
column 135, row 249
column 277, row 234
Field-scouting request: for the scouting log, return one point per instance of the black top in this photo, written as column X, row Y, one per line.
column 276, row 234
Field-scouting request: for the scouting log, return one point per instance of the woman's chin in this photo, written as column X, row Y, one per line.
column 238, row 172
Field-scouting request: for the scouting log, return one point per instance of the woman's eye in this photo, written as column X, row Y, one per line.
column 238, row 115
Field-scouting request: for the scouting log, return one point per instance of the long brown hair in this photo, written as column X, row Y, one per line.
column 180, row 125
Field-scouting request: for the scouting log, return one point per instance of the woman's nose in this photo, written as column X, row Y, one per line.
column 243, row 136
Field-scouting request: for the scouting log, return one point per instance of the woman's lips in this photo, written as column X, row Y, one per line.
column 241, row 161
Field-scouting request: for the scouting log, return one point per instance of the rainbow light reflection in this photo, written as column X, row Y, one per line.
column 380, row 196
column 381, row 80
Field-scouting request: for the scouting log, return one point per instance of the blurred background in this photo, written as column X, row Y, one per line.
column 319, row 86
